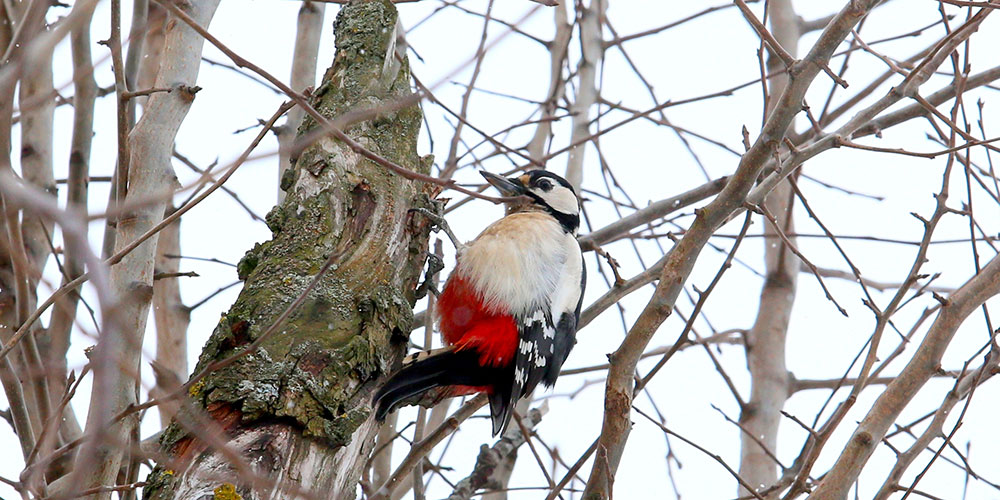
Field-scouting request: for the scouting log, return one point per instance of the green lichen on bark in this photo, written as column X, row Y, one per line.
column 318, row 369
column 313, row 366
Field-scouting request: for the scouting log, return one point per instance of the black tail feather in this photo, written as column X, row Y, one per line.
column 501, row 408
column 438, row 370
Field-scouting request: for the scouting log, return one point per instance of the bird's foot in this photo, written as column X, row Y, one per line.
column 434, row 265
column 440, row 224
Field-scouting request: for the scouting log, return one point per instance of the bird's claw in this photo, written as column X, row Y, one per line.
column 434, row 265
column 440, row 224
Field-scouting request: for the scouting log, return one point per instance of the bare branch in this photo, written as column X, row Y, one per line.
column 592, row 47
column 489, row 459
column 420, row 449
column 680, row 260
column 914, row 375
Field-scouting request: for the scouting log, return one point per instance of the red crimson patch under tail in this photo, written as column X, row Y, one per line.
column 466, row 323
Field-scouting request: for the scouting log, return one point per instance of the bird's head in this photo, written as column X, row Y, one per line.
column 540, row 190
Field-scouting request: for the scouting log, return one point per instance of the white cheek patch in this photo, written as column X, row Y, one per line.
column 561, row 199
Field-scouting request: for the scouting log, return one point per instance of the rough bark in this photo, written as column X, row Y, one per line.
column 766, row 340
column 297, row 410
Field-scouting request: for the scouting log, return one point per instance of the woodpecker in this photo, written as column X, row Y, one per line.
column 509, row 310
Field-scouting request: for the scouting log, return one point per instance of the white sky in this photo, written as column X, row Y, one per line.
column 712, row 53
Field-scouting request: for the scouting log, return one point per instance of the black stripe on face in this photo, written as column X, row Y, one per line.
column 530, row 177
column 569, row 222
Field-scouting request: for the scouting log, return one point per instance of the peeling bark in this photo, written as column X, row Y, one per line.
column 297, row 410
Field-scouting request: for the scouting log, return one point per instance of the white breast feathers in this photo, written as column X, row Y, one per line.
column 517, row 263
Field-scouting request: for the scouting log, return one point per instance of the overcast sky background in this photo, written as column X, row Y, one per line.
column 715, row 52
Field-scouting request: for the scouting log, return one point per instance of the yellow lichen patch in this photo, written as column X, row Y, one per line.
column 226, row 492
column 195, row 390
column 169, row 472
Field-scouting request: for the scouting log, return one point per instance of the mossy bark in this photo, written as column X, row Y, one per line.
column 298, row 409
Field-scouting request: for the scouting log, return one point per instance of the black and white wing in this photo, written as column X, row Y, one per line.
column 566, row 305
column 565, row 337
column 536, row 343
column 548, row 334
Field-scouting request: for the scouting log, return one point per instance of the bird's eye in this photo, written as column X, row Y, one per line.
column 545, row 185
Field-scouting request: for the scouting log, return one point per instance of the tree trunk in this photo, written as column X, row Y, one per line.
column 172, row 318
column 116, row 358
column 297, row 410
column 765, row 342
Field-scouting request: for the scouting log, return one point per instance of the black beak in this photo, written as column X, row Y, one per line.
column 507, row 187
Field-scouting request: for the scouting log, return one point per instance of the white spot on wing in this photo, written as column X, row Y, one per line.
column 549, row 332
column 519, row 376
column 525, row 346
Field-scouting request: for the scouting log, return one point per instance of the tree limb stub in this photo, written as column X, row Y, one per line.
column 301, row 401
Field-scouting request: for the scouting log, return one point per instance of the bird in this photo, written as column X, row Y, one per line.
column 509, row 310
